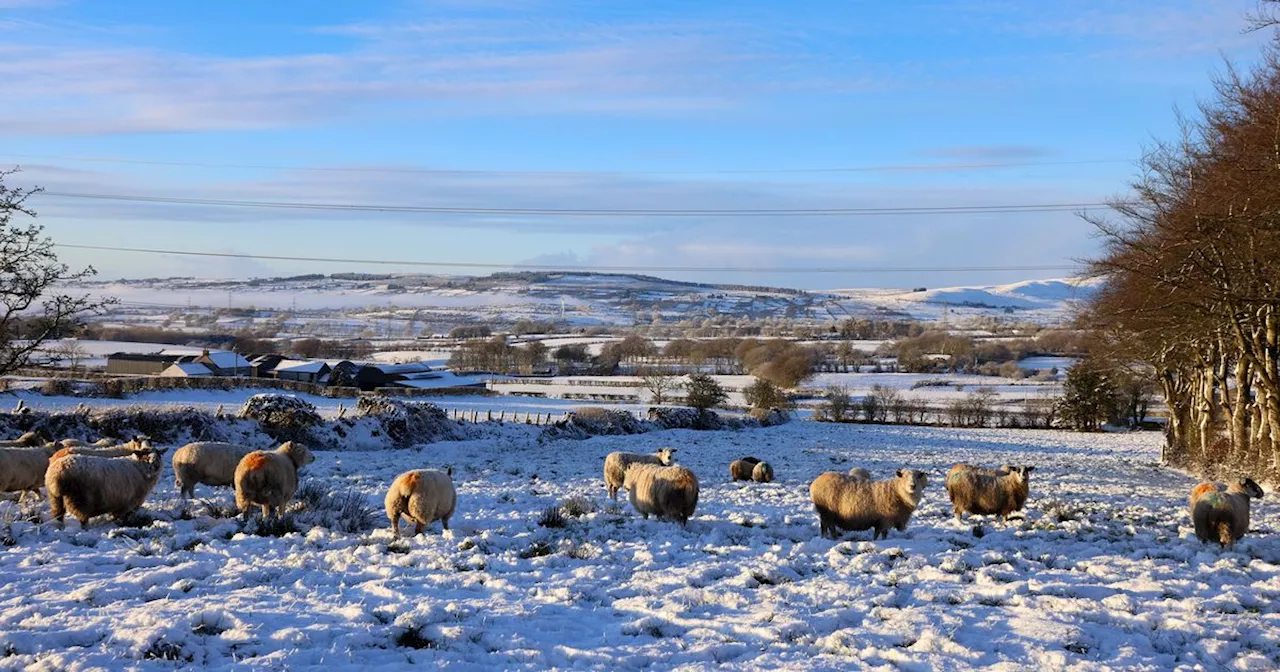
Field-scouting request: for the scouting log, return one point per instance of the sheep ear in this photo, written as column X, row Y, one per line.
column 899, row 473
column 449, row 470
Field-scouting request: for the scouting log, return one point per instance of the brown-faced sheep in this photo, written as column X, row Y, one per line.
column 1223, row 516
column 762, row 473
column 269, row 478
column 845, row 503
column 88, row 485
column 616, row 465
column 207, row 463
column 860, row 474
column 667, row 492
column 422, row 496
column 988, row 492
column 23, row 469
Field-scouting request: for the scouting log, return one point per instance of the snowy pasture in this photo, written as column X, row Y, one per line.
column 1101, row 572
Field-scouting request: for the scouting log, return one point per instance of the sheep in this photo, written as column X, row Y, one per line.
column 27, row 440
column 843, row 502
column 1004, row 469
column 860, row 474
column 89, row 485
column 665, row 491
column 23, row 469
column 740, row 470
column 269, row 478
column 616, row 465
column 208, row 463
column 138, row 444
column 422, row 496
column 104, row 442
column 763, row 473
column 1224, row 514
column 985, row 491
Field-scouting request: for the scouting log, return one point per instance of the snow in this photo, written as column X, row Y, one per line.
column 186, row 369
column 1103, row 572
column 300, row 366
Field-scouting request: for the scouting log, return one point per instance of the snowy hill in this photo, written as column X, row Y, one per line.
column 579, row 298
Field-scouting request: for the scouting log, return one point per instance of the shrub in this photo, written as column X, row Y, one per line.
column 284, row 417
column 703, row 392
column 838, row 404
column 763, row 394
column 552, row 517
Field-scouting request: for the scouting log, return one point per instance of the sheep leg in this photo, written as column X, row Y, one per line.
column 395, row 525
column 57, row 511
column 613, row 493
column 445, row 523
column 266, row 511
column 419, row 528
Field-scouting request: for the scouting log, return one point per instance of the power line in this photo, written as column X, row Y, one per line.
column 596, row 212
column 580, row 268
column 921, row 167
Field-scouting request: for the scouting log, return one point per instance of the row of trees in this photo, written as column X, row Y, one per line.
column 1192, row 262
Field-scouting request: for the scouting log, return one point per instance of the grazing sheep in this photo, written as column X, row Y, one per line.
column 1223, row 514
column 616, row 465
column 986, row 492
column 843, row 502
column 208, row 463
column 860, row 474
column 104, row 442
column 89, row 485
column 138, row 444
column 22, row 469
column 1004, row 469
column 27, row 440
column 740, row 470
column 422, row 496
column 269, row 478
column 665, row 491
column 763, row 473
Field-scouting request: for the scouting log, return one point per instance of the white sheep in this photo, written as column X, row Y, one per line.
column 762, row 473
column 88, row 485
column 269, row 478
column 665, row 491
column 22, row 469
column 27, row 440
column 422, row 496
column 207, row 463
column 860, row 474
column 988, row 491
column 1223, row 514
column 616, row 465
column 843, row 502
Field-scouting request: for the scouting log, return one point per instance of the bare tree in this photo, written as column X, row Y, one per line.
column 31, row 313
column 660, row 384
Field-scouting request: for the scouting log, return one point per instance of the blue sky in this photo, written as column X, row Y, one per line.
column 597, row 105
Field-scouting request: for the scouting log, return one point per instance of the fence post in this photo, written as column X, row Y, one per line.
column 488, row 415
column 502, row 417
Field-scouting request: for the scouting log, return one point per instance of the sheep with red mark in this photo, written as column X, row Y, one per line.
column 268, row 479
column 422, row 496
column 1223, row 516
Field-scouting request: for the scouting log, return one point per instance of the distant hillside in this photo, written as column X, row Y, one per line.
column 587, row 298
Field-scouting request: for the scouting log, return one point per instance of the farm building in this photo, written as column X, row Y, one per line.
column 306, row 371
column 143, row 364
column 264, row 365
column 223, row 362
column 186, row 370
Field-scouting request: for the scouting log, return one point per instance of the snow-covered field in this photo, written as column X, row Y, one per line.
column 1103, row 572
